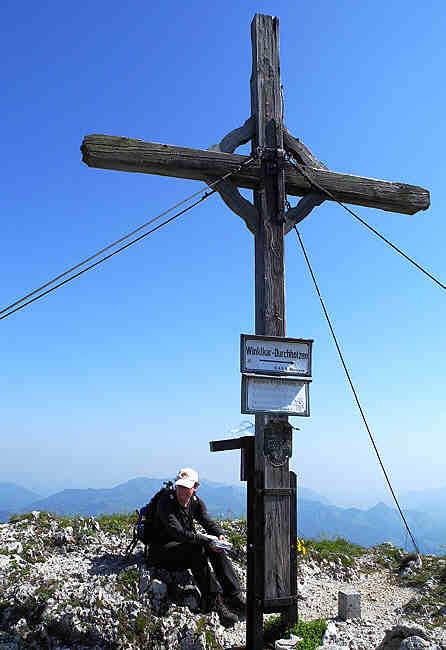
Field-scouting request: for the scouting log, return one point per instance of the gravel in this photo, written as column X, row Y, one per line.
column 66, row 584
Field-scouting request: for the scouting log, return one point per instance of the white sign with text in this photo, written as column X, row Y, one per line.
column 279, row 395
column 273, row 355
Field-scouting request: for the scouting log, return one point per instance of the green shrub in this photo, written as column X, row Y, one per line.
column 390, row 552
column 128, row 582
column 43, row 519
column 311, row 632
column 118, row 523
column 273, row 629
column 336, row 546
column 334, row 549
column 210, row 640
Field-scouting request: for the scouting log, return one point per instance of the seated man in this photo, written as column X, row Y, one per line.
column 176, row 545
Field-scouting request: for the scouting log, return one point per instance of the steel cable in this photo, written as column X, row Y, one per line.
column 364, row 419
column 7, row 311
column 316, row 185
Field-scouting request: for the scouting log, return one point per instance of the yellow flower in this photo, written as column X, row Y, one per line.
column 301, row 547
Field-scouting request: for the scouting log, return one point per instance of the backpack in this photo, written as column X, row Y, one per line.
column 145, row 524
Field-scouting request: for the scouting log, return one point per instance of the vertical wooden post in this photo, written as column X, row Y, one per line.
column 271, row 568
column 292, row 613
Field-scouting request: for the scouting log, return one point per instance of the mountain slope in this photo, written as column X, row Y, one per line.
column 370, row 527
column 315, row 519
column 222, row 500
column 14, row 497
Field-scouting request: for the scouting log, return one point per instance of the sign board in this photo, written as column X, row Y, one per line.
column 274, row 355
column 276, row 395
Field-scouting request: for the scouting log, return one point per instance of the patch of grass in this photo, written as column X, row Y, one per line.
column 334, row 549
column 17, row 571
column 389, row 552
column 417, row 578
column 128, row 582
column 118, row 523
column 144, row 629
column 32, row 553
column 236, row 528
column 431, row 568
column 273, row 629
column 439, row 621
column 210, row 640
column 431, row 603
column 311, row 632
column 237, row 540
column 47, row 590
column 43, row 520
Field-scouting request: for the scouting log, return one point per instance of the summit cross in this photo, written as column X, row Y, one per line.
column 271, row 176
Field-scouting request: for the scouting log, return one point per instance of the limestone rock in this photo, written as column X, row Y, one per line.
column 287, row 644
column 393, row 637
column 70, row 587
column 417, row 643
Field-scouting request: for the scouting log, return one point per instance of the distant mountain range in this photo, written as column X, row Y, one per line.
column 374, row 526
column 316, row 516
column 13, row 498
column 222, row 500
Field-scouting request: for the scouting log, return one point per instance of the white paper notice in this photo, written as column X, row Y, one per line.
column 276, row 395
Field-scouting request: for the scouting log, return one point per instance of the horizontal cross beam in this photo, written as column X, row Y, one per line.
column 232, row 443
column 125, row 154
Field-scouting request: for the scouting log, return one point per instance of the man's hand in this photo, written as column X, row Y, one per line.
column 222, row 538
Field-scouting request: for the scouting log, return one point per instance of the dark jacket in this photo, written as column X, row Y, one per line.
column 176, row 524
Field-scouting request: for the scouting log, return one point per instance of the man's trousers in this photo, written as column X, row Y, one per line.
column 183, row 555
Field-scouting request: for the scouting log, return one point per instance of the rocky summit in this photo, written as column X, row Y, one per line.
column 66, row 583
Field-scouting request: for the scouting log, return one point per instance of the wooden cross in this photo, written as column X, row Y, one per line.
column 271, row 177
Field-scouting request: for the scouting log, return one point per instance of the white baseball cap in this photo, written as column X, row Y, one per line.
column 187, row 477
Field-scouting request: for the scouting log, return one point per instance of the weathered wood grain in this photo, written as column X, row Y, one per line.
column 227, row 189
column 292, row 613
column 305, row 206
column 277, row 544
column 300, row 151
column 236, row 137
column 237, row 203
column 125, row 154
column 269, row 199
column 304, row 156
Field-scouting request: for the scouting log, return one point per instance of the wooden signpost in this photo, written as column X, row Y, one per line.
column 271, row 486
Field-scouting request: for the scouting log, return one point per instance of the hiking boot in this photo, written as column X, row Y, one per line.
column 227, row 618
column 236, row 603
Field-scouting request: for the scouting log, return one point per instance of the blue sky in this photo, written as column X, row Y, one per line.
column 131, row 369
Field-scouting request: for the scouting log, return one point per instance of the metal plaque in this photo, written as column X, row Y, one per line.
column 274, row 355
column 278, row 395
column 277, row 442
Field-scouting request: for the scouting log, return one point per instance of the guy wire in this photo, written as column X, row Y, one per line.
column 364, row 223
column 115, row 243
column 353, row 389
column 103, row 259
